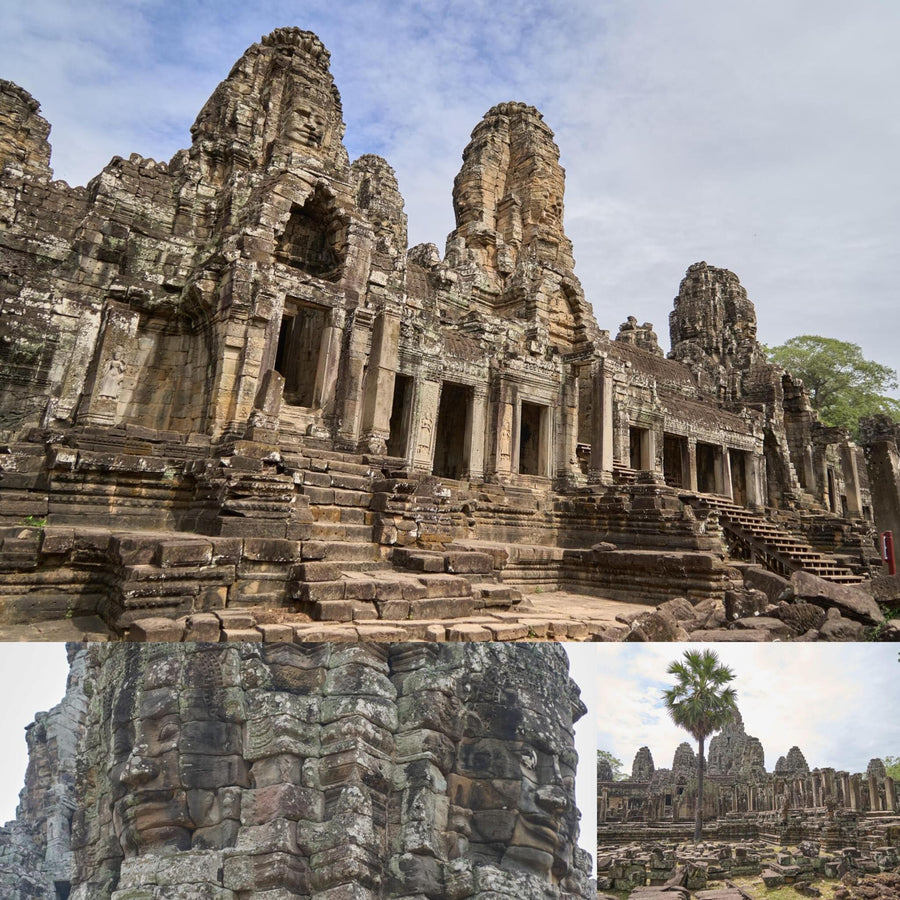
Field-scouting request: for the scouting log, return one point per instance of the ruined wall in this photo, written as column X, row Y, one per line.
column 276, row 770
column 879, row 436
column 738, row 792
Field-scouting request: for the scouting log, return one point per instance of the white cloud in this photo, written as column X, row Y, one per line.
column 840, row 703
column 756, row 136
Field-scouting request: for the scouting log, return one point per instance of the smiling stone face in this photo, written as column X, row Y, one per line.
column 177, row 767
column 513, row 786
column 412, row 769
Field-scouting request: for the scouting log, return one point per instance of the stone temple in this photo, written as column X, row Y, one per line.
column 318, row 771
column 232, row 397
column 742, row 800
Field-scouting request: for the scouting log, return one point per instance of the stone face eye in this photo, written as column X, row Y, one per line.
column 168, row 732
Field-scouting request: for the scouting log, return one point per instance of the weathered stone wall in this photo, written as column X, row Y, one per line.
column 792, row 800
column 309, row 770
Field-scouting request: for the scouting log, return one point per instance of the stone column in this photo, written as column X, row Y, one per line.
column 329, row 361
column 724, row 469
column 428, row 400
column 691, row 464
column 567, row 464
column 855, row 793
column 844, row 779
column 851, row 481
column 475, row 436
column 648, row 451
column 503, row 449
column 874, row 796
column 352, row 380
column 602, row 429
column 546, row 442
column 378, row 396
column 890, row 795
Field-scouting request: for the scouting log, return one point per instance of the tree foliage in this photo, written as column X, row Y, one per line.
column 617, row 766
column 701, row 704
column 892, row 767
column 843, row 385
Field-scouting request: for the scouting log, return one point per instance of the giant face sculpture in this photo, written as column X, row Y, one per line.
column 177, row 767
column 301, row 768
column 306, row 125
column 513, row 787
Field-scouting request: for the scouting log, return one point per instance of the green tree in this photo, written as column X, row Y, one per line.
column 614, row 763
column 892, row 767
column 701, row 704
column 843, row 385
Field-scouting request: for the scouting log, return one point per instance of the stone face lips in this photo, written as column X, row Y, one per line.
column 315, row 770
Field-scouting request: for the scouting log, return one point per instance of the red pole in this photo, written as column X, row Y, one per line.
column 887, row 551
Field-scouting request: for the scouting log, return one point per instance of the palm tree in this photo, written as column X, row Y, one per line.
column 701, row 705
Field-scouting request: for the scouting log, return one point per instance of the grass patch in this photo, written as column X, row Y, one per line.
column 754, row 886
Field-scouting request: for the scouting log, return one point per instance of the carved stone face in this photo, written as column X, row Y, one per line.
column 306, row 124
column 177, row 769
column 521, row 794
column 544, row 829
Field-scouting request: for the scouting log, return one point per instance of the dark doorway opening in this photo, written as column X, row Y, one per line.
column 63, row 889
column 314, row 239
column 707, row 463
column 401, row 409
column 531, row 439
column 450, row 446
column 299, row 346
column 635, row 447
column 675, row 450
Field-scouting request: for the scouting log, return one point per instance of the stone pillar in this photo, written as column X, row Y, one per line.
column 567, row 428
column 110, row 381
column 890, row 795
column 475, row 435
column 378, row 394
column 874, row 796
column 354, row 368
column 505, row 428
column 844, row 779
column 329, row 362
column 851, row 481
column 724, row 472
column 855, row 793
column 602, row 428
column 648, row 451
column 428, row 400
column 755, row 487
column 603, row 806
column 692, row 464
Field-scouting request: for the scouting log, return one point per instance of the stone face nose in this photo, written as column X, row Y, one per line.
column 551, row 798
column 138, row 769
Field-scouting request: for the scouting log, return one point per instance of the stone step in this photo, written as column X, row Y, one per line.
column 338, row 531
column 341, row 551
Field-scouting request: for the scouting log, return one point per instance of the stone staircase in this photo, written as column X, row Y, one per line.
column 751, row 535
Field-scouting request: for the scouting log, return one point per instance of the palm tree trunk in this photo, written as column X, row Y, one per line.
column 698, row 819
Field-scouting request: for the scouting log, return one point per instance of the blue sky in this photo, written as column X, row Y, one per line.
column 839, row 703
column 758, row 136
